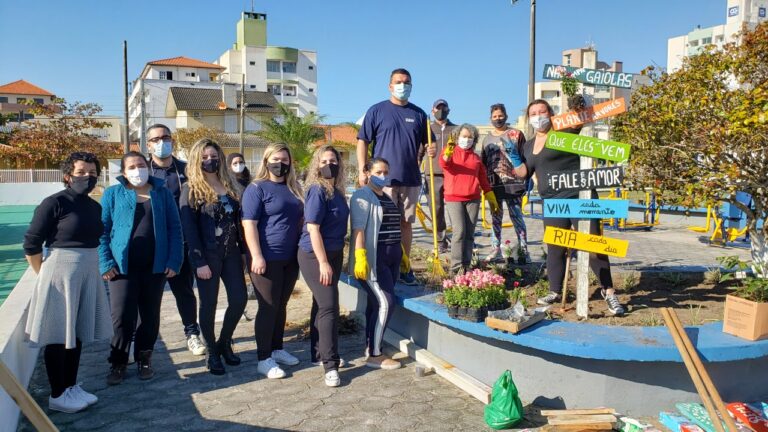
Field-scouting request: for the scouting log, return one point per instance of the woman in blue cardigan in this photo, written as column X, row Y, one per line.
column 141, row 247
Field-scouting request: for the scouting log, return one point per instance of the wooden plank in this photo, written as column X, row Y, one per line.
column 578, row 427
column 589, row 76
column 589, row 114
column 548, row 413
column 588, row 146
column 586, row 179
column 585, row 242
column 586, row 208
column 510, row 326
column 581, row 419
column 748, row 416
column 24, row 400
column 450, row 373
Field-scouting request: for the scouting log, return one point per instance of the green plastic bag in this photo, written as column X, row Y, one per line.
column 506, row 408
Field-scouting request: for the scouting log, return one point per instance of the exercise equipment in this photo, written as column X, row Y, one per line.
column 650, row 214
column 707, row 224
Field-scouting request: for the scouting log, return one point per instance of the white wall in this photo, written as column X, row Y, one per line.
column 27, row 193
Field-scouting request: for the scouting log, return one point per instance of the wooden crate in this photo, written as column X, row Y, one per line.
column 512, row 327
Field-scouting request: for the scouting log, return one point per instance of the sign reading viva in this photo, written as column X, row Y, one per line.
column 586, row 209
column 586, row 179
column 589, row 114
column 589, row 76
column 588, row 146
column 585, row 242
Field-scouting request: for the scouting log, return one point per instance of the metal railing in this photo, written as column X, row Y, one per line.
column 40, row 176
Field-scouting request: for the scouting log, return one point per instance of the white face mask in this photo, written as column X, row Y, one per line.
column 539, row 123
column 465, row 143
column 137, row 176
column 238, row 168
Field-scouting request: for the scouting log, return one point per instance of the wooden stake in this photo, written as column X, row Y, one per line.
column 24, row 400
column 710, row 386
column 692, row 371
column 565, row 278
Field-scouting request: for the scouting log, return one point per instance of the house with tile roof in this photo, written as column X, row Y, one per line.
column 15, row 97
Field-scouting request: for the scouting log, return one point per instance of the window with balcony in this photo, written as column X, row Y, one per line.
column 289, row 67
column 273, row 89
column 289, row 90
column 166, row 75
column 273, row 66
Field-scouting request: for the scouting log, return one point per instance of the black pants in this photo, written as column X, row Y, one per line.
column 135, row 300
column 273, row 290
column 556, row 256
column 186, row 302
column 439, row 204
column 228, row 269
column 324, row 318
column 61, row 365
column 381, row 295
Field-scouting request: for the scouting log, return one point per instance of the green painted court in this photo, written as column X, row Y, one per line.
column 14, row 221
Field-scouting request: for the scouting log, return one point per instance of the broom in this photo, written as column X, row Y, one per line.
column 436, row 266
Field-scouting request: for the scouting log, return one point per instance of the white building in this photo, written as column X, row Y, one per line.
column 737, row 12
column 290, row 74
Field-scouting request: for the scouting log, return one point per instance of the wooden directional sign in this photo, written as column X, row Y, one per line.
column 588, row 146
column 589, row 114
column 586, row 179
column 748, row 416
column 585, row 242
column 697, row 414
column 586, row 209
column 589, row 76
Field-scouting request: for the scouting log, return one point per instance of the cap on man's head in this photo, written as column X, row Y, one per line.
column 440, row 102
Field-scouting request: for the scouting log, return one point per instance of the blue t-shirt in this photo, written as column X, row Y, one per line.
column 330, row 214
column 279, row 213
column 397, row 132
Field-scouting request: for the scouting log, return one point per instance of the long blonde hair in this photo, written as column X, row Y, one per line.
column 200, row 192
column 290, row 178
column 314, row 177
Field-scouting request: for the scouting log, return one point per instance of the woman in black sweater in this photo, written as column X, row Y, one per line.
column 69, row 304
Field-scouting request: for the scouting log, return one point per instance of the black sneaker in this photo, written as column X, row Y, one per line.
column 408, row 278
column 614, row 307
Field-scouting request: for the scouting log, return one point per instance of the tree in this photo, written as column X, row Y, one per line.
column 700, row 135
column 58, row 130
column 298, row 133
column 186, row 137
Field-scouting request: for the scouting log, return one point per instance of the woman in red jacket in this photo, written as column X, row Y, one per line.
column 464, row 176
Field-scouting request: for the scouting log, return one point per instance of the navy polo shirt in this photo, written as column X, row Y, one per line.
column 330, row 214
column 278, row 213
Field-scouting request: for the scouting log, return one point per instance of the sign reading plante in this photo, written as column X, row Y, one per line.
column 590, row 114
column 589, row 76
column 586, row 179
column 585, row 242
column 588, row 146
column 586, row 208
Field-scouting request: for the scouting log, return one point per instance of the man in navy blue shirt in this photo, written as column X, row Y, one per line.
column 398, row 131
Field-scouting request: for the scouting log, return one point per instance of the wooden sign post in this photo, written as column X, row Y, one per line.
column 582, row 257
column 589, row 114
column 24, row 400
column 588, row 146
column 588, row 243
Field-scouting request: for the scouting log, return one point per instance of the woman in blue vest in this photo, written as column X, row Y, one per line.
column 141, row 247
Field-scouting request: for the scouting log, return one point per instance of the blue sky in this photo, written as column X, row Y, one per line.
column 472, row 53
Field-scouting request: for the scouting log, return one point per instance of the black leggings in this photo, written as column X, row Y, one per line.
column 135, row 299
column 381, row 295
column 228, row 269
column 556, row 256
column 324, row 318
column 61, row 365
column 186, row 302
column 273, row 290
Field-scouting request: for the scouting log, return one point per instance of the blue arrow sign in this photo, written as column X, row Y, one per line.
column 586, row 208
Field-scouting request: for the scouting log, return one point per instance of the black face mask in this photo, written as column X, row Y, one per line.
column 82, row 185
column 211, row 165
column 499, row 123
column 329, row 171
column 442, row 114
column 278, row 169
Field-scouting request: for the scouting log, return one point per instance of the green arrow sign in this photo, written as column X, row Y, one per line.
column 589, row 76
column 588, row 146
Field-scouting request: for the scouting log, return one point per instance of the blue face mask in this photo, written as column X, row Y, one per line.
column 163, row 149
column 401, row 91
column 379, row 181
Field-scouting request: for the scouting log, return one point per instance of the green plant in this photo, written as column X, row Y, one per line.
column 593, row 280
column 569, row 85
column 695, row 314
column 299, row 133
column 673, row 278
column 631, row 281
column 541, row 288
column 713, row 276
column 751, row 288
column 651, row 320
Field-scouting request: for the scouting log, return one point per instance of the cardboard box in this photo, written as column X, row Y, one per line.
column 745, row 319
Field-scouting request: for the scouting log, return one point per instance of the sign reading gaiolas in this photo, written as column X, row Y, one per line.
column 585, row 242
column 586, row 208
column 589, row 76
column 589, row 114
column 588, row 146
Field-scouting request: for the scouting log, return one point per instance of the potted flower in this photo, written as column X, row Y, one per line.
column 471, row 295
column 507, row 253
column 746, row 310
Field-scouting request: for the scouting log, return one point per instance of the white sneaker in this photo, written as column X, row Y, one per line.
column 332, row 378
column 195, row 345
column 89, row 398
column 342, row 363
column 270, row 369
column 283, row 357
column 68, row 402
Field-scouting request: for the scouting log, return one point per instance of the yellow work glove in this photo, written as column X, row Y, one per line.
column 491, row 198
column 450, row 146
column 361, row 264
column 405, row 262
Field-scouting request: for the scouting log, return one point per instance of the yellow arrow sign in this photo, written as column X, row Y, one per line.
column 586, row 242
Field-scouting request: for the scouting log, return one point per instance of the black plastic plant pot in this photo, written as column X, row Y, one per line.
column 475, row 314
column 453, row 311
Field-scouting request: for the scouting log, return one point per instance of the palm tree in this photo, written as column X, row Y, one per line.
column 298, row 133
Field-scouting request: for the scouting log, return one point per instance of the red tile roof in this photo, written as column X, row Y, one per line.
column 22, row 87
column 185, row 62
column 338, row 134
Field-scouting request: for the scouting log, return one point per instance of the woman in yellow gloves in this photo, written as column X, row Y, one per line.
column 465, row 177
column 378, row 255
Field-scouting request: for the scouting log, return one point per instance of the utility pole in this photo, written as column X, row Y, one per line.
column 532, row 60
column 126, row 129
column 242, row 114
column 142, row 132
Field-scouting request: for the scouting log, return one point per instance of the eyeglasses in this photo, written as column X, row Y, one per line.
column 160, row 138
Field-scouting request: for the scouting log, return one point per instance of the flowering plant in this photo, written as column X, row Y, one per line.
column 507, row 251
column 475, row 289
